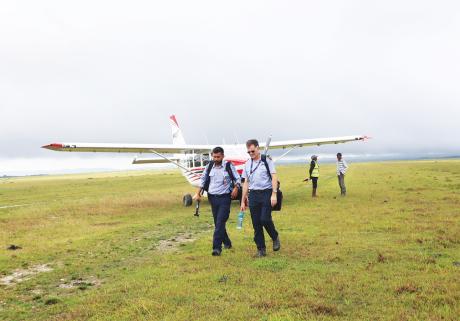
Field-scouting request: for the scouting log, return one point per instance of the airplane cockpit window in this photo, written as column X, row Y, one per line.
column 196, row 161
column 205, row 159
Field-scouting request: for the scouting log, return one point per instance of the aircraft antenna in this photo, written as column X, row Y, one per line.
column 236, row 138
column 206, row 137
column 267, row 144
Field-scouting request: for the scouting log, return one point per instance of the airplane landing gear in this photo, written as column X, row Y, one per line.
column 187, row 200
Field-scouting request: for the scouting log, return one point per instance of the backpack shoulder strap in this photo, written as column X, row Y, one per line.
column 228, row 168
column 206, row 174
column 264, row 159
column 208, row 169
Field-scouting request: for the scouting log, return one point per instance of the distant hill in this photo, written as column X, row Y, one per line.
column 16, row 176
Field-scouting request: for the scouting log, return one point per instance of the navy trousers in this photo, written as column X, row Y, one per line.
column 220, row 205
column 261, row 215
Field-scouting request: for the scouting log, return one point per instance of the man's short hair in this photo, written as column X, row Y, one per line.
column 252, row 142
column 339, row 154
column 218, row 150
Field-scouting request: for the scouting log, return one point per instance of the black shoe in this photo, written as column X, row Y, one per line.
column 276, row 244
column 216, row 252
column 261, row 253
column 227, row 246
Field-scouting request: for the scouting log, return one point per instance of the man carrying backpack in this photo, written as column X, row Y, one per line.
column 261, row 181
column 221, row 180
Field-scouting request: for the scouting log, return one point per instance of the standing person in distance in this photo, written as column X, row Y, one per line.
column 314, row 174
column 341, row 170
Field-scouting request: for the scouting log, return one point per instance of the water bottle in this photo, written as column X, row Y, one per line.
column 239, row 225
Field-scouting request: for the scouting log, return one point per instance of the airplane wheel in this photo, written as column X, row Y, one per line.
column 187, row 200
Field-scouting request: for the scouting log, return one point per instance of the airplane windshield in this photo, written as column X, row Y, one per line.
column 198, row 160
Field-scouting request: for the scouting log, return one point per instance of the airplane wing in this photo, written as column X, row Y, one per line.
column 186, row 148
column 128, row 148
column 154, row 160
column 313, row 142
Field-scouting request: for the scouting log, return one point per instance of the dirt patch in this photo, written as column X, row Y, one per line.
column 407, row 288
column 80, row 283
column 37, row 292
column 335, row 259
column 20, row 275
column 325, row 310
column 107, row 224
column 173, row 243
column 265, row 305
column 430, row 260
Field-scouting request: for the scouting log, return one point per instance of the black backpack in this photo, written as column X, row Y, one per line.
column 279, row 193
column 230, row 173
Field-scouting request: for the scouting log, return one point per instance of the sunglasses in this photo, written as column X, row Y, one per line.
column 251, row 151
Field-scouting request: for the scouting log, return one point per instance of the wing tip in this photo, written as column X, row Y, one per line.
column 52, row 146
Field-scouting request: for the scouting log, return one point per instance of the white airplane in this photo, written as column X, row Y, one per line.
column 192, row 159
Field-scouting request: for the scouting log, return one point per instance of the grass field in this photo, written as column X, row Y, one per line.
column 121, row 247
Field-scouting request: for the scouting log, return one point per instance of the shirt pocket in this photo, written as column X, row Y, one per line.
column 226, row 177
column 212, row 177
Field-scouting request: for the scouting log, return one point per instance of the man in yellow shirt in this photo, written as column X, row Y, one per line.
column 314, row 174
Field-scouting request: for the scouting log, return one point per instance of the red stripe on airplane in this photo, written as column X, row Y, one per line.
column 197, row 169
column 236, row 162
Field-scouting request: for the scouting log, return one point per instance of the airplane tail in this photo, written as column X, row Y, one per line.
column 192, row 176
column 177, row 136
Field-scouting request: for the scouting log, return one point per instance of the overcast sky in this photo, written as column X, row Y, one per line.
column 113, row 71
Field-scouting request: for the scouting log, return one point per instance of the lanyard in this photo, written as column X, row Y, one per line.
column 252, row 171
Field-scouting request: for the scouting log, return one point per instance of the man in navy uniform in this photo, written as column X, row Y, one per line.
column 261, row 183
column 221, row 180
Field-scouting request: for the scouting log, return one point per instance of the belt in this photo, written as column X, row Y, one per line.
column 219, row 195
column 260, row 190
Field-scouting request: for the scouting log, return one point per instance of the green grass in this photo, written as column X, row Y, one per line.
column 388, row 251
